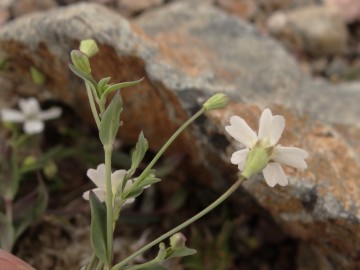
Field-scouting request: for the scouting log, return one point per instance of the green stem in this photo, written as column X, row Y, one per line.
column 162, row 150
column 100, row 266
column 109, row 202
column 91, row 264
column 143, row 265
column 92, row 104
column 182, row 225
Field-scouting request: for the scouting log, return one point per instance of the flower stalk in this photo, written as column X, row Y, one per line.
column 109, row 202
column 163, row 149
column 199, row 215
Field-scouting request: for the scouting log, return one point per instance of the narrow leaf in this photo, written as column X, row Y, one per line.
column 102, row 84
column 182, row 252
column 98, row 227
column 110, row 121
column 118, row 86
column 81, row 74
column 140, row 149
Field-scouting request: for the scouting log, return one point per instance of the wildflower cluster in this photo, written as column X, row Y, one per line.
column 116, row 189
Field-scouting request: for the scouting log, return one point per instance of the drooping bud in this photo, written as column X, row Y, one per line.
column 217, row 101
column 256, row 160
column 89, row 47
column 81, row 61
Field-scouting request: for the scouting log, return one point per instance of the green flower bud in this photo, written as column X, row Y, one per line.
column 80, row 61
column 29, row 161
column 256, row 160
column 37, row 76
column 177, row 241
column 50, row 170
column 89, row 47
column 217, row 101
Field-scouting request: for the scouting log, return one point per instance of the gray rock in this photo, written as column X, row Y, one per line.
column 188, row 51
column 318, row 30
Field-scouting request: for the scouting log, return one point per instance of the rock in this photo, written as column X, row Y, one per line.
column 20, row 8
column 132, row 7
column 246, row 9
column 188, row 51
column 317, row 30
column 349, row 9
column 4, row 15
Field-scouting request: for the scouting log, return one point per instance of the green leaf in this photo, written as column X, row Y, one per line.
column 98, row 228
column 110, row 121
column 182, row 252
column 82, row 75
column 118, row 86
column 141, row 147
column 103, row 85
column 149, row 181
column 37, row 76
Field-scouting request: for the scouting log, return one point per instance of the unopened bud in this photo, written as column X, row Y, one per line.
column 89, row 47
column 37, row 76
column 29, row 161
column 177, row 241
column 217, row 101
column 81, row 61
column 256, row 160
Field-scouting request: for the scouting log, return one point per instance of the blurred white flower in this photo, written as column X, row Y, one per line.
column 261, row 152
column 98, row 177
column 31, row 115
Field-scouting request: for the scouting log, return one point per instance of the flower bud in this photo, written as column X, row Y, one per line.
column 29, row 161
column 81, row 61
column 89, row 47
column 177, row 241
column 217, row 101
column 37, row 76
column 256, row 161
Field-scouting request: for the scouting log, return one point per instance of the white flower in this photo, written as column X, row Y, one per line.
column 30, row 114
column 264, row 147
column 98, row 177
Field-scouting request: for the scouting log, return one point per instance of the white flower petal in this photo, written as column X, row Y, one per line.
column 274, row 174
column 52, row 113
column 128, row 201
column 33, row 126
column 241, row 131
column 239, row 158
column 100, row 193
column 10, row 115
column 98, row 176
column 29, row 106
column 276, row 129
column 292, row 156
column 265, row 124
column 116, row 179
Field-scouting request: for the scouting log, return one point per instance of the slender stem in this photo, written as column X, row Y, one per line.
column 92, row 262
column 100, row 265
column 109, row 202
column 143, row 265
column 163, row 149
column 92, row 104
column 182, row 225
column 9, row 210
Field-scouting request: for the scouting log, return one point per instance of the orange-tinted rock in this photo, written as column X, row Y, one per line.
column 186, row 52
